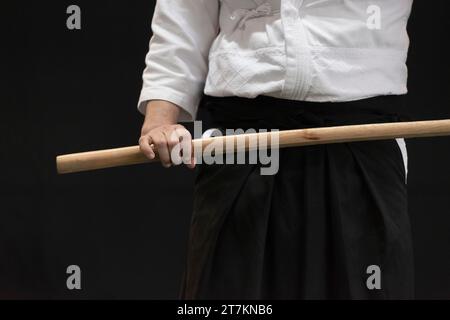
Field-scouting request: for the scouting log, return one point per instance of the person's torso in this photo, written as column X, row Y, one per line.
column 314, row 50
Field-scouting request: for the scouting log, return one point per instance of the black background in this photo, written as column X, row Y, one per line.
column 66, row 91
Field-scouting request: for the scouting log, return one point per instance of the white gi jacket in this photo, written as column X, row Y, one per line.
column 312, row 50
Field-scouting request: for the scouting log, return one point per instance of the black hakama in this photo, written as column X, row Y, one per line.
column 312, row 230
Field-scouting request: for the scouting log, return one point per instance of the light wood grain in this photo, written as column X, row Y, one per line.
column 100, row 159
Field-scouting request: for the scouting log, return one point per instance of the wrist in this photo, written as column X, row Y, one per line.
column 161, row 112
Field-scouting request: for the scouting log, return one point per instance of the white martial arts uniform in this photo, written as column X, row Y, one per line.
column 311, row 50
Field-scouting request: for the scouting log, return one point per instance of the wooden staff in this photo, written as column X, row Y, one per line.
column 288, row 138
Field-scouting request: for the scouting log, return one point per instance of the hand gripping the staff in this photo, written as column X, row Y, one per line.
column 161, row 135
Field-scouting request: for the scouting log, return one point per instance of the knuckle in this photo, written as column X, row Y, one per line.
column 160, row 144
column 180, row 128
column 143, row 145
column 185, row 131
column 173, row 142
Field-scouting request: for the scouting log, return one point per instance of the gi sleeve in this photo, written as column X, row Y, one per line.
column 177, row 60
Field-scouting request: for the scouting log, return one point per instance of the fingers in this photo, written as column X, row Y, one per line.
column 160, row 142
column 145, row 146
column 173, row 143
column 193, row 162
column 158, row 139
column 186, row 147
